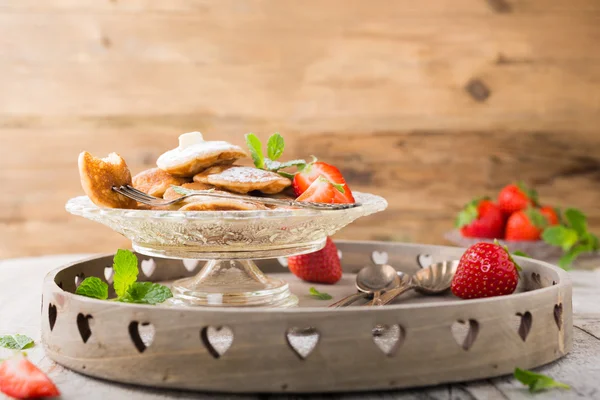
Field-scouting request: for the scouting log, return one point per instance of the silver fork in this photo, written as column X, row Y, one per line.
column 144, row 198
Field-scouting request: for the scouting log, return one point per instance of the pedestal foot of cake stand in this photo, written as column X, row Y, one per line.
column 232, row 283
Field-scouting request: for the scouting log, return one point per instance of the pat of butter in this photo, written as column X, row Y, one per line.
column 190, row 139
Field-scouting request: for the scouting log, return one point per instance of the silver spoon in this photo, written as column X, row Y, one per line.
column 435, row 279
column 372, row 280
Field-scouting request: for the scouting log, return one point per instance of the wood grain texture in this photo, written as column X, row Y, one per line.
column 580, row 368
column 428, row 104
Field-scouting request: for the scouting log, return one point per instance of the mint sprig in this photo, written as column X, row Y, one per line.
column 572, row 236
column 93, row 287
column 275, row 147
column 16, row 342
column 315, row 294
column 125, row 265
column 128, row 290
column 146, row 293
column 537, row 382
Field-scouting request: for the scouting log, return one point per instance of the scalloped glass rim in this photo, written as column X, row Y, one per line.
column 370, row 204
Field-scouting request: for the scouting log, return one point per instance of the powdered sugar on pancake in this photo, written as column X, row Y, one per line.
column 246, row 175
column 192, row 146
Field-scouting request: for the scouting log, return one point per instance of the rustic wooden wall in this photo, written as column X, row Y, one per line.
column 427, row 103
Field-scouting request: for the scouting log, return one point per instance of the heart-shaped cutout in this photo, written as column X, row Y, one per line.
column 379, row 257
column 465, row 333
column 283, row 261
column 190, row 264
column 424, row 260
column 141, row 334
column 83, row 325
column 148, row 267
column 302, row 340
column 388, row 338
column 108, row 274
column 217, row 340
column 525, row 321
column 78, row 279
column 558, row 312
column 52, row 314
column 537, row 280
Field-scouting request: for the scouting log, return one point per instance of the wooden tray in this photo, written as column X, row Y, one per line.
column 416, row 342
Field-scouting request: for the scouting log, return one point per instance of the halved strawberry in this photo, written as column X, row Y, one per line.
column 314, row 170
column 322, row 190
column 21, row 379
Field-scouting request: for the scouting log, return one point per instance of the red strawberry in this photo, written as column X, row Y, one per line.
column 322, row 266
column 312, row 171
column 323, row 191
column 516, row 197
column 551, row 215
column 21, row 379
column 481, row 218
column 525, row 225
column 485, row 270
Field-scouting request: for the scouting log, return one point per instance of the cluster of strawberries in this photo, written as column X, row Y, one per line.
column 517, row 215
column 324, row 183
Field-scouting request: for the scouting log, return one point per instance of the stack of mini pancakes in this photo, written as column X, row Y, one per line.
column 195, row 164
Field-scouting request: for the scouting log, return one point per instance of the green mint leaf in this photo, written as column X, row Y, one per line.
column 146, row 293
column 467, row 215
column 560, row 236
column 593, row 239
column 125, row 265
column 569, row 257
column 576, row 220
column 93, row 287
column 286, row 175
column 275, row 146
column 315, row 294
column 272, row 165
column 537, row 382
column 16, row 342
column 255, row 147
column 520, row 254
column 292, row 163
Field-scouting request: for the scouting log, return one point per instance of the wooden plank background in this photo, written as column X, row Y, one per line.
column 426, row 103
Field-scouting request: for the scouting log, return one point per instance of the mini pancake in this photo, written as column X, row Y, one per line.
column 171, row 194
column 155, row 181
column 222, row 205
column 243, row 179
column 194, row 154
column 99, row 175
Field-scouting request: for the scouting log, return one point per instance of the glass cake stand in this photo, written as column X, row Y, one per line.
column 228, row 241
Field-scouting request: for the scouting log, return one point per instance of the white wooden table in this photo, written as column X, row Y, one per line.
column 20, row 288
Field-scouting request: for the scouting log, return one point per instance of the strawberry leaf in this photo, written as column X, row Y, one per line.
column 505, row 247
column 275, row 146
column 577, row 220
column 529, row 192
column 519, row 253
column 560, row 236
column 536, row 218
column 255, row 147
column 537, row 382
column 467, row 215
column 315, row 294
